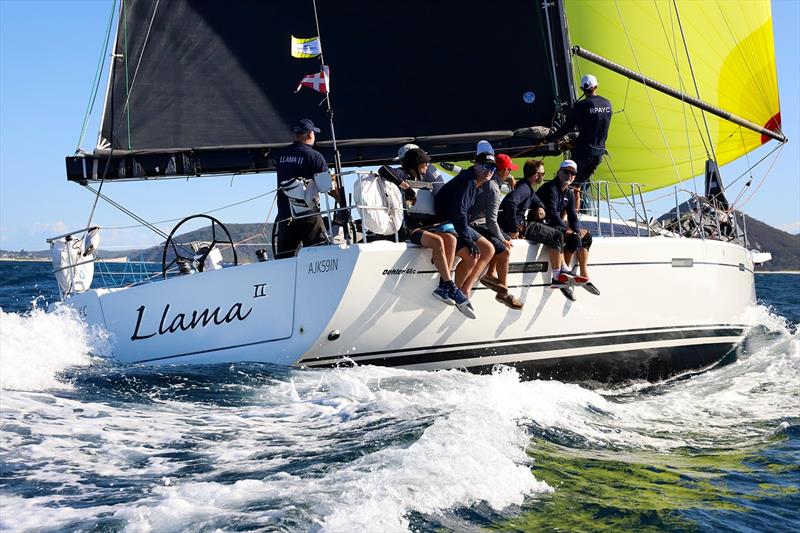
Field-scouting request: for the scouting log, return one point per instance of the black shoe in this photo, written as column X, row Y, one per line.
column 566, row 291
column 589, row 286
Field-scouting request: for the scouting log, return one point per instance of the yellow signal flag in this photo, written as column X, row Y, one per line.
column 306, row 48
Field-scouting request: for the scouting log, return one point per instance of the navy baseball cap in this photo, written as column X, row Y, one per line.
column 304, row 125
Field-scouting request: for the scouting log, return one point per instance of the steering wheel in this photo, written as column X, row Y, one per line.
column 183, row 255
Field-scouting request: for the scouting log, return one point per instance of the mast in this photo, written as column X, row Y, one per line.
column 696, row 102
column 560, row 59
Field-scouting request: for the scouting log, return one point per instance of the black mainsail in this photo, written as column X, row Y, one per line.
column 203, row 87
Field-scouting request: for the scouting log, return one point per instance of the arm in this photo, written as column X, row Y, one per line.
column 572, row 214
column 566, row 127
column 464, row 203
column 492, row 208
column 514, row 204
column 552, row 210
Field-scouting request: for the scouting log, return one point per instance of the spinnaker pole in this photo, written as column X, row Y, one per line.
column 691, row 100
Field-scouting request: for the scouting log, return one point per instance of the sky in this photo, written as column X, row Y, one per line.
column 49, row 50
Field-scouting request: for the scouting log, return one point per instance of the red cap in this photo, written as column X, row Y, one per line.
column 504, row 162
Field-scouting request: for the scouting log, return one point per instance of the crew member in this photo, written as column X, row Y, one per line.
column 422, row 229
column 431, row 175
column 512, row 217
column 483, row 218
column 592, row 118
column 453, row 203
column 297, row 162
column 557, row 196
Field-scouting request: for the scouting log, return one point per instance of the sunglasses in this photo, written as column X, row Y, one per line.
column 489, row 167
column 569, row 172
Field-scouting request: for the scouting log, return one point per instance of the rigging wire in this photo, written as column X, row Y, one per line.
column 779, row 148
column 674, row 55
column 126, row 107
column 127, row 211
column 203, row 213
column 694, row 78
column 647, row 92
column 98, row 76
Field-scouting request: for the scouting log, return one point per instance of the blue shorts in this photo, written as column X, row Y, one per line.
column 416, row 235
column 474, row 235
column 499, row 246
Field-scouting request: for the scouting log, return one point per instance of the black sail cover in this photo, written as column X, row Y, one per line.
column 204, row 86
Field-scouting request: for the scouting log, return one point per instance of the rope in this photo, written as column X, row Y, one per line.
column 97, row 77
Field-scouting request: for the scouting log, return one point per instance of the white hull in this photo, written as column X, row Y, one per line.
column 372, row 304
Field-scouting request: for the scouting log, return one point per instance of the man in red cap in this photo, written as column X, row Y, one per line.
column 483, row 218
column 504, row 167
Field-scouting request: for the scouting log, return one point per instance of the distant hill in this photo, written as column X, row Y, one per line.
column 248, row 239
column 784, row 247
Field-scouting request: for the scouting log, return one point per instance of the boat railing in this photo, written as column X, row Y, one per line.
column 627, row 214
column 704, row 218
column 622, row 216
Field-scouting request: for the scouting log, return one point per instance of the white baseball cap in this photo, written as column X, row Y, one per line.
column 403, row 149
column 588, row 82
column 484, row 147
column 569, row 163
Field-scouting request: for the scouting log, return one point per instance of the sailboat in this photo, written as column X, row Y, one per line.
column 207, row 88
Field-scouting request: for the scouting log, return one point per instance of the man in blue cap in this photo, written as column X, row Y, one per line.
column 298, row 217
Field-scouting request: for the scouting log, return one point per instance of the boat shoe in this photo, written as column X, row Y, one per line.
column 462, row 303
column 494, row 284
column 509, row 301
column 589, row 286
column 443, row 295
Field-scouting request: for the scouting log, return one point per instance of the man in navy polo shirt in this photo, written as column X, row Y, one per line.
column 591, row 116
column 298, row 161
column 453, row 203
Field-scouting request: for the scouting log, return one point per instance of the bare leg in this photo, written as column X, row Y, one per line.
column 487, row 252
column 436, row 245
column 491, row 270
column 449, row 241
column 500, row 262
column 583, row 259
column 464, row 266
column 555, row 258
column 568, row 258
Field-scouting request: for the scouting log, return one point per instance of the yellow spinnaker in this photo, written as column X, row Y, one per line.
column 658, row 140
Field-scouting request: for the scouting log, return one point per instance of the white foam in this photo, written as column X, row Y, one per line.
column 36, row 346
column 421, row 442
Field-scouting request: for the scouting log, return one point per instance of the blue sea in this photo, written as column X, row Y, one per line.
column 88, row 444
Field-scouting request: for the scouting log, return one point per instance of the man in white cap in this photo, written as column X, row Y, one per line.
column 591, row 116
column 557, row 197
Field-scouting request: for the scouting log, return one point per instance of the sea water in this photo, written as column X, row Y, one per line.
column 91, row 445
